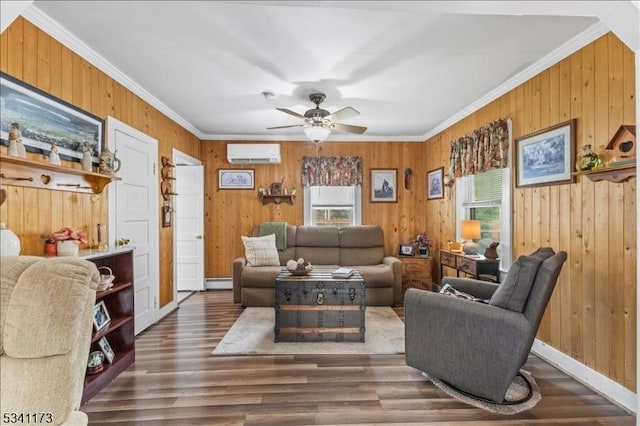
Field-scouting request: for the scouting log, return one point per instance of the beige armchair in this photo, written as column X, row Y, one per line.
column 46, row 319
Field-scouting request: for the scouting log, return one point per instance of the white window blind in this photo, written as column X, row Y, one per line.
column 483, row 189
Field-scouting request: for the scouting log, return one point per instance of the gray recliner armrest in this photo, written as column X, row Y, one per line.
column 494, row 334
column 477, row 288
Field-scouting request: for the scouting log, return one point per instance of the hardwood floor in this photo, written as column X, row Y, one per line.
column 175, row 381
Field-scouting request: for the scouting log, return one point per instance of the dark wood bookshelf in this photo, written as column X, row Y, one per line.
column 120, row 332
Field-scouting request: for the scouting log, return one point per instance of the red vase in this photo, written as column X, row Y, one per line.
column 50, row 249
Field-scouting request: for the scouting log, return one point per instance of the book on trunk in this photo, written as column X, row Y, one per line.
column 342, row 273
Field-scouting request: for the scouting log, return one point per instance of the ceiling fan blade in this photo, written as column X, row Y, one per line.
column 349, row 128
column 288, row 111
column 285, row 127
column 343, row 114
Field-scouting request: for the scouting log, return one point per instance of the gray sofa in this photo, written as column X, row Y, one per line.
column 358, row 247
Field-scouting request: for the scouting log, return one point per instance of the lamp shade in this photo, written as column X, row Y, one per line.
column 9, row 242
column 470, row 229
column 317, row 133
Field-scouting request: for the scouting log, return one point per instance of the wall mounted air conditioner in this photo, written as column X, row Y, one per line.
column 253, row 153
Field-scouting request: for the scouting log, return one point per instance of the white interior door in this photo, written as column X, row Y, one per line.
column 189, row 227
column 133, row 213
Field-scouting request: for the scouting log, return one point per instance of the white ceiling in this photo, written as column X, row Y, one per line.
column 407, row 67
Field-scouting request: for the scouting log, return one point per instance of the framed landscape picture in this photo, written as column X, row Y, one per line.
column 236, row 179
column 384, row 188
column 546, row 157
column 45, row 121
column 435, row 187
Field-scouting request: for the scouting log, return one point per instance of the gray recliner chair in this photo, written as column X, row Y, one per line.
column 475, row 347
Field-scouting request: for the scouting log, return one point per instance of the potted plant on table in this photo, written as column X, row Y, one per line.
column 425, row 243
column 68, row 240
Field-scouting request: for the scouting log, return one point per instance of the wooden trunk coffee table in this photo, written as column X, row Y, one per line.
column 317, row 307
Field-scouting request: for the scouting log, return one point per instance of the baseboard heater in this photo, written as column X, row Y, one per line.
column 218, row 284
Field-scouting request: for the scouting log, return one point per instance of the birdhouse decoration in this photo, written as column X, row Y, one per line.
column 623, row 146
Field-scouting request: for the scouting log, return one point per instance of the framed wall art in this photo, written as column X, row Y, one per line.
column 384, row 187
column 435, row 186
column 46, row 121
column 546, row 157
column 236, row 179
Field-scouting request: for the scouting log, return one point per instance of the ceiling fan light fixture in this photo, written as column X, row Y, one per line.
column 317, row 132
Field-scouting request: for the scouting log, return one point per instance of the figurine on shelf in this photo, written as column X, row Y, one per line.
column 16, row 147
column 492, row 251
column 87, row 161
column 54, row 157
column 587, row 159
column 109, row 164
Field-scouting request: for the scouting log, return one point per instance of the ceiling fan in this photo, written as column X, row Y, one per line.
column 319, row 122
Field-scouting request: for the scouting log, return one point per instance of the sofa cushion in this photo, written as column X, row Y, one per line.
column 317, row 236
column 319, row 255
column 513, row 293
column 261, row 251
column 361, row 256
column 375, row 276
column 260, row 276
column 361, row 236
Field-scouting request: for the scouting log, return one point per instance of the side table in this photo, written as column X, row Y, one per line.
column 416, row 272
column 478, row 267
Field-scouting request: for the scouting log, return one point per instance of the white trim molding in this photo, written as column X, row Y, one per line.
column 585, row 375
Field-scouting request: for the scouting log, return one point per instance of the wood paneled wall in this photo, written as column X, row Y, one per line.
column 232, row 213
column 31, row 55
column 592, row 314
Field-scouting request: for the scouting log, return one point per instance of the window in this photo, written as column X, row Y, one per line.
column 487, row 197
column 332, row 205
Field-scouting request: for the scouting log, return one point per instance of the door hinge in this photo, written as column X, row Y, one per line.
column 155, row 302
column 154, row 168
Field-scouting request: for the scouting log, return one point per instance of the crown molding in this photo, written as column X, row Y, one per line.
column 61, row 34
column 299, row 138
column 589, row 35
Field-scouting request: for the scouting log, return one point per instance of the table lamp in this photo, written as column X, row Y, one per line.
column 470, row 230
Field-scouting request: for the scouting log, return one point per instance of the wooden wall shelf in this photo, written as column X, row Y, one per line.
column 25, row 172
column 612, row 174
column 276, row 199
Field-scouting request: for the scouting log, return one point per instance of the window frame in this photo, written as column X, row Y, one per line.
column 506, row 225
column 356, row 205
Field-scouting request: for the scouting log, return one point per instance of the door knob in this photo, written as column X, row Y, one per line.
column 198, row 237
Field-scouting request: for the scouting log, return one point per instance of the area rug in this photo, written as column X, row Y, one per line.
column 523, row 394
column 252, row 334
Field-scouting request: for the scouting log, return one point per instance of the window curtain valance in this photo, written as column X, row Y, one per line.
column 332, row 171
column 482, row 150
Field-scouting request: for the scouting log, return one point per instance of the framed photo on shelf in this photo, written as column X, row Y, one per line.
column 407, row 250
column 101, row 318
column 546, row 157
column 236, row 179
column 435, row 187
column 384, row 187
column 50, row 121
column 109, row 355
